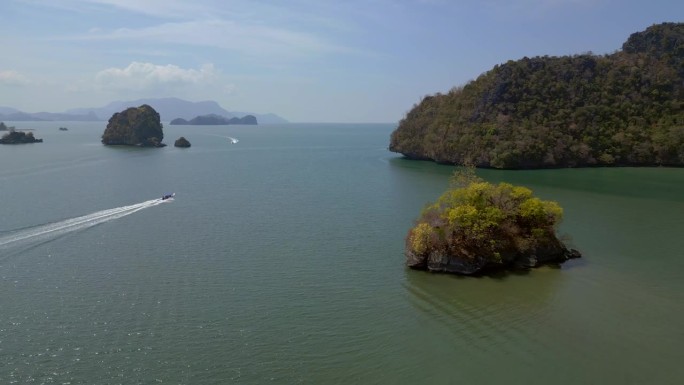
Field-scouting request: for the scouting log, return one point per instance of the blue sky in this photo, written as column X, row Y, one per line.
column 305, row 60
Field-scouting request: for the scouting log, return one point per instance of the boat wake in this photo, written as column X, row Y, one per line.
column 42, row 233
column 232, row 140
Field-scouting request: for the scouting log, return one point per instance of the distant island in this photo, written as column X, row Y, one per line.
column 12, row 114
column 134, row 126
column 215, row 120
column 621, row 109
column 168, row 108
column 18, row 137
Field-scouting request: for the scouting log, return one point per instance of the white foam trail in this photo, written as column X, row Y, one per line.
column 232, row 140
column 52, row 230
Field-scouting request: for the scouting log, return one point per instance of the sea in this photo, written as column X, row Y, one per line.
column 281, row 260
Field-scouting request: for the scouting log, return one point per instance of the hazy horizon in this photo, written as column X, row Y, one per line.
column 306, row 61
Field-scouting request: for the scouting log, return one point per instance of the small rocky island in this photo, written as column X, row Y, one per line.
column 477, row 227
column 214, row 120
column 182, row 142
column 19, row 137
column 135, row 126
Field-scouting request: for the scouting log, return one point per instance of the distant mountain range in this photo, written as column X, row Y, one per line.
column 168, row 109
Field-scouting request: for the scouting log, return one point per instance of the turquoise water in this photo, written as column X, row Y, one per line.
column 281, row 260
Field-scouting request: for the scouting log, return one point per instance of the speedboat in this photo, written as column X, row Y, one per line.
column 168, row 196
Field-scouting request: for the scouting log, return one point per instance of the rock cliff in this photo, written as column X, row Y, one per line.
column 135, row 126
column 181, row 142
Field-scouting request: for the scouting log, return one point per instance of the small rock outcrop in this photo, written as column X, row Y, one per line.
column 19, row 137
column 135, row 126
column 478, row 227
column 181, row 142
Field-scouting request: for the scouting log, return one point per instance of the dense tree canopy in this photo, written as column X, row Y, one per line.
column 19, row 137
column 477, row 225
column 626, row 108
column 135, row 126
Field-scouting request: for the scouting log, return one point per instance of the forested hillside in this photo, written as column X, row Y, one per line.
column 626, row 108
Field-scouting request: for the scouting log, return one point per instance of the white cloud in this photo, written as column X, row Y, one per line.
column 244, row 38
column 160, row 8
column 13, row 78
column 145, row 76
column 260, row 29
column 535, row 7
column 156, row 8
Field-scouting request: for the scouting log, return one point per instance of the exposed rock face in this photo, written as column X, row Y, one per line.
column 181, row 142
column 139, row 126
column 215, row 120
column 440, row 261
column 19, row 137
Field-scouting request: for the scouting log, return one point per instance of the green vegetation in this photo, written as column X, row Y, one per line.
column 476, row 225
column 139, row 126
column 19, row 137
column 626, row 108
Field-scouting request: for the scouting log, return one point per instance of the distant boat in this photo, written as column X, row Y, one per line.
column 233, row 140
column 168, row 196
column 63, row 129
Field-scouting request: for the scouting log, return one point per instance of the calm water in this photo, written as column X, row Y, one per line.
column 280, row 260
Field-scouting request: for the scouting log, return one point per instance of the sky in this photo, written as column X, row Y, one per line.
column 345, row 61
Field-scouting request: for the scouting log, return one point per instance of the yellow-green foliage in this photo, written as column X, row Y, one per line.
column 481, row 216
column 419, row 238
